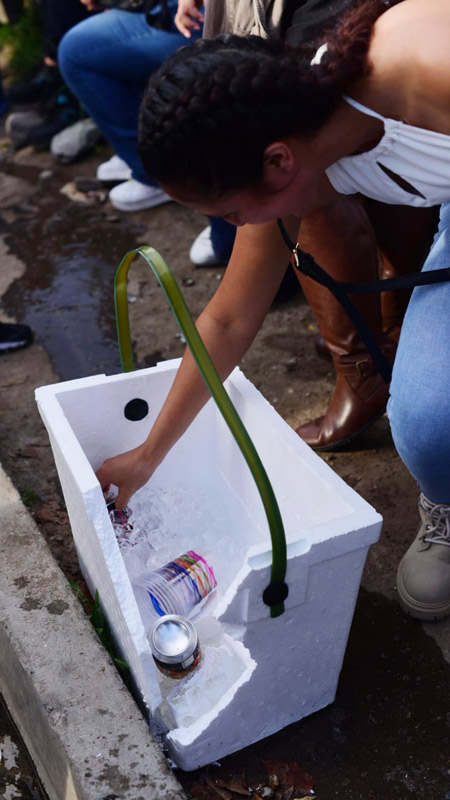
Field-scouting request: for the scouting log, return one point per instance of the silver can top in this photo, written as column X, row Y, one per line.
column 172, row 638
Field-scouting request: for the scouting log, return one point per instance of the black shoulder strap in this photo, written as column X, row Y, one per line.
column 306, row 264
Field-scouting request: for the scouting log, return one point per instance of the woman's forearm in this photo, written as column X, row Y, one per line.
column 189, row 392
column 227, row 326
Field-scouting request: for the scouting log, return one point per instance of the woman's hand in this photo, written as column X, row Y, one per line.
column 128, row 471
column 189, row 17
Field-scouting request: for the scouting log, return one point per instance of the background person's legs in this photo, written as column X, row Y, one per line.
column 58, row 17
column 106, row 61
column 55, row 106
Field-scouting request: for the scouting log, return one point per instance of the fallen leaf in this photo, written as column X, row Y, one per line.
column 274, row 781
column 289, row 775
column 235, row 783
column 221, row 792
column 202, row 792
column 265, row 793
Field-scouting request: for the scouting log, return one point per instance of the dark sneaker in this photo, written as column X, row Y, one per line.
column 19, row 124
column 423, row 576
column 13, row 336
column 39, row 89
column 64, row 111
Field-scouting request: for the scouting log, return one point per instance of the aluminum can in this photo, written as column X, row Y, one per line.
column 174, row 644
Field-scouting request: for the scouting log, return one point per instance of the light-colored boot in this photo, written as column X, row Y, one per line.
column 423, row 575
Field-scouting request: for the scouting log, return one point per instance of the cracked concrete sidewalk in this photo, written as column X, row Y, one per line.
column 83, row 730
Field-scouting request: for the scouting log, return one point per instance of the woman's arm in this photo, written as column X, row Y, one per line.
column 227, row 326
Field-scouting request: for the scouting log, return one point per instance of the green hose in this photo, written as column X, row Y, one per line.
column 276, row 592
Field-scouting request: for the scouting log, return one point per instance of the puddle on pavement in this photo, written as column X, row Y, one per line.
column 18, row 778
column 71, row 253
column 387, row 735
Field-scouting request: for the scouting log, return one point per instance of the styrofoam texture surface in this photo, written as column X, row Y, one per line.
column 328, row 529
column 298, row 657
column 103, row 569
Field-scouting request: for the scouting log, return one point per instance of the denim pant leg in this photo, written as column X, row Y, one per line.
column 106, row 60
column 3, row 100
column 223, row 235
column 419, row 407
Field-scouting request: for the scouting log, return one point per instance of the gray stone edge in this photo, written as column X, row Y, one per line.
column 81, row 726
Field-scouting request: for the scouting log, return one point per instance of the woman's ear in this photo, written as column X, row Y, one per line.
column 278, row 164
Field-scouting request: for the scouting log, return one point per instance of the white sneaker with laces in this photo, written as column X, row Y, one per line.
column 116, row 169
column 201, row 252
column 135, row 196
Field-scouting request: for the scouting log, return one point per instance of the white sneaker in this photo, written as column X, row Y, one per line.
column 201, row 252
column 134, row 196
column 116, row 169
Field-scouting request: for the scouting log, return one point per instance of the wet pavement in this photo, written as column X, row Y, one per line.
column 66, row 296
column 387, row 735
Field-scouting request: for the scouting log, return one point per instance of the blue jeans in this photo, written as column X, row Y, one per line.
column 3, row 100
column 419, row 407
column 223, row 235
column 106, row 61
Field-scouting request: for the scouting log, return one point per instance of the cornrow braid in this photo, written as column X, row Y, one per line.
column 213, row 107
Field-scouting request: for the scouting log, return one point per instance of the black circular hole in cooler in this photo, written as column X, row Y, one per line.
column 136, row 409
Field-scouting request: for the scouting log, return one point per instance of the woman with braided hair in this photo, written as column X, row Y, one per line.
column 252, row 130
column 353, row 238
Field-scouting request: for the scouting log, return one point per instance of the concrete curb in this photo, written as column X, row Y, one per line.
column 81, row 726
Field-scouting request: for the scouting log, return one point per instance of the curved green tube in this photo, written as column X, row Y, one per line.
column 215, row 386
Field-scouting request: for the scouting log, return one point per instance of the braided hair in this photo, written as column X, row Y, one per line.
column 212, row 108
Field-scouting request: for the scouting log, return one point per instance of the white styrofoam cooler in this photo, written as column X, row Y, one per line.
column 277, row 670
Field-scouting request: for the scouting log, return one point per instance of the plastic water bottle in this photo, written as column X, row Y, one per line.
column 176, row 588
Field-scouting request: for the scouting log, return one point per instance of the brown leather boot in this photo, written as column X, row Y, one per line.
column 404, row 236
column 341, row 239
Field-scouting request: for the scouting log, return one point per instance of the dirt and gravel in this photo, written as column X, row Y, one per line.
column 59, row 251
